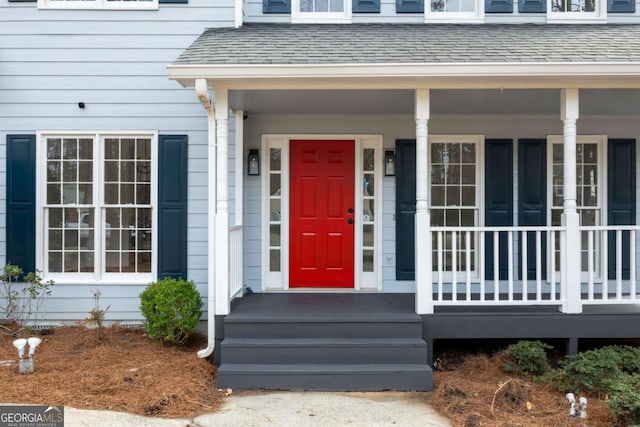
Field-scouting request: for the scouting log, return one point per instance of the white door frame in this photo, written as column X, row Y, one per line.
column 279, row 280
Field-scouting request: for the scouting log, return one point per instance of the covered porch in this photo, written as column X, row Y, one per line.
column 543, row 222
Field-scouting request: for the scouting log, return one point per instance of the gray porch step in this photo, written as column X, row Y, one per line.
column 354, row 377
column 374, row 325
column 324, row 350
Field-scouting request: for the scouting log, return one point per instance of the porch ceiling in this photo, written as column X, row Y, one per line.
column 485, row 101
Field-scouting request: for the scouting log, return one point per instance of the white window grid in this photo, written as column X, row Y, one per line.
column 590, row 191
column 320, row 11
column 91, row 215
column 455, row 194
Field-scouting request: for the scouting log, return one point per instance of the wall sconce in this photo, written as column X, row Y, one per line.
column 253, row 162
column 389, row 163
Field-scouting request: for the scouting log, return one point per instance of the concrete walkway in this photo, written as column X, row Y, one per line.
column 288, row 409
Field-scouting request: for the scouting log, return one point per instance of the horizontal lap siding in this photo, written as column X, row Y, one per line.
column 388, row 14
column 114, row 62
column 394, row 127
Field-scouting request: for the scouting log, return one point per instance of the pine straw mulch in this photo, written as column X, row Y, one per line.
column 127, row 371
column 477, row 393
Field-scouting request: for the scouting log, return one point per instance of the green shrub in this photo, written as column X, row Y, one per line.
column 171, row 308
column 624, row 399
column 594, row 371
column 527, row 357
column 611, row 372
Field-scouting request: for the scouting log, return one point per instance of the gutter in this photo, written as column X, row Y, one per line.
column 409, row 76
column 202, row 92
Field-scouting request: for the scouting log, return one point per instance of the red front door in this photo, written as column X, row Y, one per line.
column 321, row 214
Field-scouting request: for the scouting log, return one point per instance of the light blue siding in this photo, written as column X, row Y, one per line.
column 253, row 13
column 394, row 127
column 115, row 62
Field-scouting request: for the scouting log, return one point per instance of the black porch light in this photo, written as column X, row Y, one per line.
column 389, row 163
column 253, row 162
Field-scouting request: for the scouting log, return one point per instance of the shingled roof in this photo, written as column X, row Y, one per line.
column 414, row 44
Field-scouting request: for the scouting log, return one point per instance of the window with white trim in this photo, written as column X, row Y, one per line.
column 571, row 10
column 98, row 4
column 321, row 11
column 589, row 186
column 97, row 205
column 455, row 201
column 455, row 10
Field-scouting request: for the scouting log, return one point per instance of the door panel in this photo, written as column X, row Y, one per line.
column 321, row 227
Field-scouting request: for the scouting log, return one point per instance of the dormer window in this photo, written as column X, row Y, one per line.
column 324, row 11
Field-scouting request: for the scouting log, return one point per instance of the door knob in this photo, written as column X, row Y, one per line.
column 350, row 210
column 350, row 220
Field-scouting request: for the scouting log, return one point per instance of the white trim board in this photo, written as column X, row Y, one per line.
column 411, row 76
column 278, row 281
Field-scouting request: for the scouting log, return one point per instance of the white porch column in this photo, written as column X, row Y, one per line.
column 424, row 296
column 221, row 253
column 570, row 248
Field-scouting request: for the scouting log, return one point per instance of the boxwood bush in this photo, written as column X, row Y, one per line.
column 171, row 308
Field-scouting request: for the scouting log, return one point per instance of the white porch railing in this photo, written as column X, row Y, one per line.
column 235, row 261
column 460, row 277
column 606, row 283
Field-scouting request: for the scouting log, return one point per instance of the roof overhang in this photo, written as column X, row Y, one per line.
column 469, row 75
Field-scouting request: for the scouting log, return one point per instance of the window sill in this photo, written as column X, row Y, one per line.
column 317, row 20
column 444, row 18
column 574, row 18
column 77, row 6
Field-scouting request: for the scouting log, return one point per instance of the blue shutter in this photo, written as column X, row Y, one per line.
column 498, row 198
column 21, row 201
column 276, row 6
column 532, row 197
column 172, row 206
column 405, row 209
column 366, row 6
column 532, row 6
column 498, row 6
column 621, row 194
column 410, row 6
column 621, row 6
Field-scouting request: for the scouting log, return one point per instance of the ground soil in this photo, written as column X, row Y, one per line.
column 472, row 391
column 126, row 371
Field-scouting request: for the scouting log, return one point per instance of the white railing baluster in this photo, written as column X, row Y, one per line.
column 510, row 263
column 440, row 266
column 618, row 264
column 481, row 251
column 552, row 236
column 523, row 237
column 604, row 256
column 590, row 256
column 538, row 265
column 496, row 266
column 454, row 267
column 468, row 264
